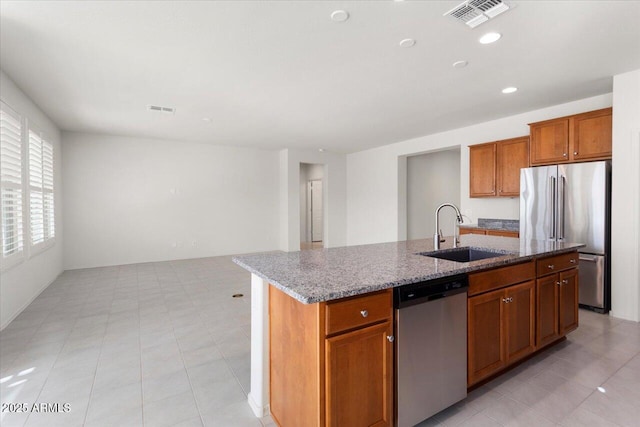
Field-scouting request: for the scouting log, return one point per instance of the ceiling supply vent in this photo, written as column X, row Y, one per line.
column 475, row 12
column 166, row 110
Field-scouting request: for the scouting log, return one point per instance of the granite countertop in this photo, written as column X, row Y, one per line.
column 317, row 275
column 495, row 224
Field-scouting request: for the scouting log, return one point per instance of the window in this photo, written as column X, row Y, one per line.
column 41, row 203
column 11, row 185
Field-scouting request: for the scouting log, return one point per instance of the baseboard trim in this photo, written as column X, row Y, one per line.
column 25, row 305
column 259, row 411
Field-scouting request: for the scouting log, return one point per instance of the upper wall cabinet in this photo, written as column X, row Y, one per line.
column 494, row 167
column 581, row 137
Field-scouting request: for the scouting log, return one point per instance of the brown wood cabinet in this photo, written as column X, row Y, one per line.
column 518, row 309
column 494, row 167
column 331, row 364
column 482, row 170
column 501, row 319
column 501, row 329
column 575, row 138
column 556, row 297
column 488, row 232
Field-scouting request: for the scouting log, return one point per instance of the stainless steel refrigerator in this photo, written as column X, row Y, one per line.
column 572, row 203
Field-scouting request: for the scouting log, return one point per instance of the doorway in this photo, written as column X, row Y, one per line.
column 311, row 206
column 432, row 179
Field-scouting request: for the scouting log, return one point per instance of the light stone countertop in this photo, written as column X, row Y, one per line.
column 317, row 275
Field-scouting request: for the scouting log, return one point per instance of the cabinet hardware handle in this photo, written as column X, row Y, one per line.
column 564, row 154
column 558, row 283
column 551, row 266
column 364, row 313
column 565, row 281
column 510, row 299
column 504, row 300
column 575, row 153
column 390, row 338
column 572, row 260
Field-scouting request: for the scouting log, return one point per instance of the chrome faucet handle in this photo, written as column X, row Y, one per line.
column 442, row 239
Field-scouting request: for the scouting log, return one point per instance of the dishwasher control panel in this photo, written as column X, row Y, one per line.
column 408, row 295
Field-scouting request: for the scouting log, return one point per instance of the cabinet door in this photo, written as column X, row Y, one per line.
column 547, row 310
column 512, row 155
column 486, row 351
column 568, row 301
column 550, row 142
column 519, row 320
column 482, row 170
column 592, row 135
column 359, row 377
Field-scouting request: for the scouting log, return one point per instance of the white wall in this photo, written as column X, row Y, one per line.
column 22, row 283
column 308, row 172
column 334, row 197
column 131, row 200
column 374, row 177
column 432, row 179
column 625, row 209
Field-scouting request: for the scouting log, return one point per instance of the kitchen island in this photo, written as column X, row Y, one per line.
column 309, row 286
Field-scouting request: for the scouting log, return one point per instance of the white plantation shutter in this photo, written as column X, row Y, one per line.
column 41, row 202
column 11, row 182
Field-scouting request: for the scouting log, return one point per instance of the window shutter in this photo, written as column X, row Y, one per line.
column 36, row 196
column 47, row 185
column 11, row 181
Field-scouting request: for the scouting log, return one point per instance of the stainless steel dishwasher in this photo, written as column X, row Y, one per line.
column 431, row 347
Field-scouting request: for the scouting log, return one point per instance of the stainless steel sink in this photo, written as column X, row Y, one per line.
column 464, row 254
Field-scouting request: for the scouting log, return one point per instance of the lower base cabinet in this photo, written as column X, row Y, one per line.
column 501, row 329
column 516, row 310
column 331, row 364
column 358, row 384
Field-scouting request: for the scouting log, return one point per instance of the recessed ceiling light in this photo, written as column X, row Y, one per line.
column 490, row 38
column 321, row 150
column 407, row 43
column 460, row 64
column 206, row 119
column 339, row 15
column 509, row 89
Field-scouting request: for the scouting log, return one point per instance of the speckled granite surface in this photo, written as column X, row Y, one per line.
column 325, row 274
column 495, row 224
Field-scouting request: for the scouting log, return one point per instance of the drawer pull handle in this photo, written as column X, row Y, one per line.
column 551, row 266
column 558, row 283
column 565, row 282
column 364, row 313
column 390, row 338
column 504, row 300
column 510, row 299
column 572, row 260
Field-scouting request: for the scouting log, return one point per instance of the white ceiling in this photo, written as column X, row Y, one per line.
column 278, row 74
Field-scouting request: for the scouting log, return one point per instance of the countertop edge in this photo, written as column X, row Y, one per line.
column 464, row 269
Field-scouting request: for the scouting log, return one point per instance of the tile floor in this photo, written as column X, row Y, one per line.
column 165, row 344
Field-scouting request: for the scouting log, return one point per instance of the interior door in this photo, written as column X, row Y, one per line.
column 316, row 211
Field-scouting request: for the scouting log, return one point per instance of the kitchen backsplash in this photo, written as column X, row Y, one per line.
column 506, row 224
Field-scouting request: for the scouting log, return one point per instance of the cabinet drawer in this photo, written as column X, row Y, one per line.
column 358, row 311
column 556, row 263
column 500, row 277
column 503, row 233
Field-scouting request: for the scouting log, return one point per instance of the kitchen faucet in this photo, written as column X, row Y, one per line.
column 437, row 237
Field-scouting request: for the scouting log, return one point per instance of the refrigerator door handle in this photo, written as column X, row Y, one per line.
column 552, row 196
column 561, row 203
column 584, row 258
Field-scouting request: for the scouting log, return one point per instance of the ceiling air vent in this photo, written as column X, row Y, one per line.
column 475, row 12
column 159, row 109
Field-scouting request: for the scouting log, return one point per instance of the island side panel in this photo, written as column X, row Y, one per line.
column 296, row 355
column 258, row 396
